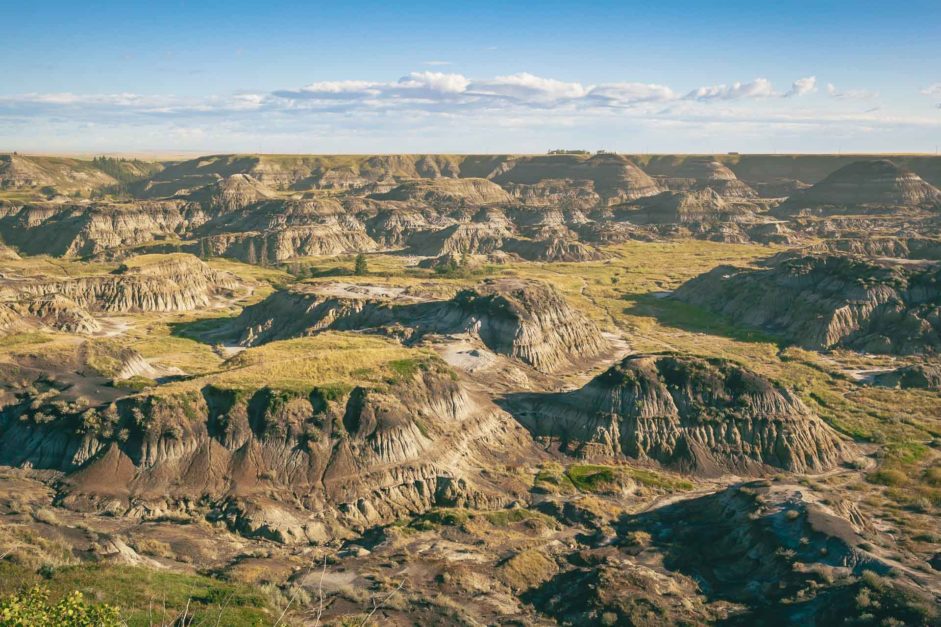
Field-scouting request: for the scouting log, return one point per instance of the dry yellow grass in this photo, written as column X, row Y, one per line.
column 330, row 359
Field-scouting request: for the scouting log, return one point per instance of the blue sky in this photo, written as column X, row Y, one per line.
column 471, row 77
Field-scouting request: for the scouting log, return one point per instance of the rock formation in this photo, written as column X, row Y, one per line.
column 864, row 185
column 707, row 173
column 468, row 191
column 706, row 416
column 925, row 376
column 148, row 283
column 613, row 177
column 679, row 208
column 288, row 466
column 526, row 320
column 824, row 301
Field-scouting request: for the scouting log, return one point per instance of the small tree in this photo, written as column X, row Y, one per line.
column 360, row 267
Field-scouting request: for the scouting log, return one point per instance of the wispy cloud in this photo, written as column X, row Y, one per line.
column 933, row 91
column 758, row 88
column 443, row 105
column 850, row 94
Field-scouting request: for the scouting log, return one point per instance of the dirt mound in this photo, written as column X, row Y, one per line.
column 864, row 184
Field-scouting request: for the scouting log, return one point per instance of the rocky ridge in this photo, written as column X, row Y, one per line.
column 148, row 283
column 288, row 466
column 527, row 320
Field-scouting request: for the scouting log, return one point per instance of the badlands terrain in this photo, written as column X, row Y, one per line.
column 474, row 390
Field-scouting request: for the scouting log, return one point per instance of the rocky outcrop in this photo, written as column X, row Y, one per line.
column 824, row 301
column 563, row 193
column 526, row 320
column 614, row 178
column 448, row 191
column 471, row 238
column 148, row 283
column 925, row 376
column 894, row 247
column 705, row 172
column 679, row 208
column 864, row 185
column 60, row 313
column 285, row 465
column 287, row 243
column 753, row 548
column 231, row 193
column 553, row 248
column 88, row 229
column 705, row 416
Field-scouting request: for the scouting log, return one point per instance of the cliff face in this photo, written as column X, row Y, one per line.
column 526, row 320
column 293, row 467
column 73, row 230
column 614, row 178
column 531, row 321
column 150, row 283
column 706, row 416
column 822, row 301
column 892, row 246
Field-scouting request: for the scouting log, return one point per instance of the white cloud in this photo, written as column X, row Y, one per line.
column 850, row 94
column 434, row 82
column 802, row 86
column 527, row 87
column 932, row 90
column 630, row 93
column 758, row 88
column 334, row 90
column 435, row 104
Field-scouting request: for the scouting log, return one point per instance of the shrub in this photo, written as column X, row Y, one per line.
column 32, row 607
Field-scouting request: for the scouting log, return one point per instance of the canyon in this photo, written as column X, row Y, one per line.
column 489, row 389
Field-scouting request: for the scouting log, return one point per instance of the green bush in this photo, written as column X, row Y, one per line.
column 31, row 607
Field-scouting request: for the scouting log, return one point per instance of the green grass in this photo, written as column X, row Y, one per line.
column 597, row 478
column 592, row 478
column 145, row 597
